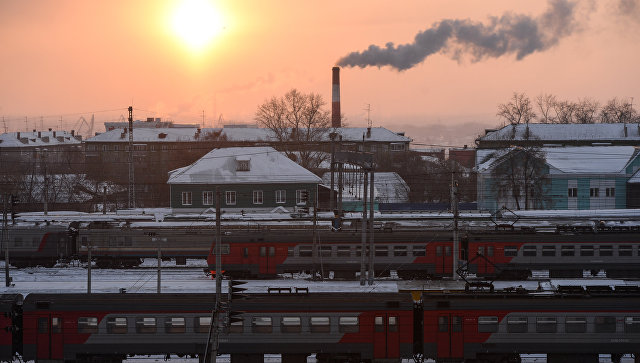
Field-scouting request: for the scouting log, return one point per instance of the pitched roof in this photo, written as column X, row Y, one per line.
column 562, row 132
column 31, row 139
column 266, row 165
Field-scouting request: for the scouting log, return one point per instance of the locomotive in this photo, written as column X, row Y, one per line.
column 345, row 327
column 268, row 251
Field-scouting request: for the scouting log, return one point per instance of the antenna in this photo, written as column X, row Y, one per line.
column 203, row 122
column 368, row 109
column 4, row 124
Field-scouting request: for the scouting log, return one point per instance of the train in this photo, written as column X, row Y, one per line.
column 344, row 327
column 269, row 251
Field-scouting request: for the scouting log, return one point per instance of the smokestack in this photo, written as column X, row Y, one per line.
column 335, row 98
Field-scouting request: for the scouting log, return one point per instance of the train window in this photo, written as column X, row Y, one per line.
column 202, row 324
column 56, row 325
column 605, row 324
column 146, row 325
column 443, row 324
column 382, row 251
column 175, row 325
column 447, row 250
column 224, row 249
column 549, row 251
column 263, row 251
column 245, row 252
column 87, row 325
column 517, row 324
column 117, row 325
column 290, row 251
column 606, row 250
column 399, row 250
column 305, row 251
column 349, row 324
column 575, row 324
column 325, row 251
column 632, row 324
column 359, row 251
column 261, row 324
column 344, row 251
column 272, row 251
column 625, row 250
column 43, row 325
column 511, row 251
column 529, row 251
column 546, row 324
column 419, row 250
column 586, row 250
column 567, row 250
column 320, row 324
column 290, row 324
column 490, row 251
column 438, row 250
column 480, row 250
column 393, row 324
column 487, row 324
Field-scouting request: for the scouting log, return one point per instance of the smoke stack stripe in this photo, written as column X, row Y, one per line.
column 335, row 98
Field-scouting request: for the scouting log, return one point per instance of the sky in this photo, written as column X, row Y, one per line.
column 436, row 69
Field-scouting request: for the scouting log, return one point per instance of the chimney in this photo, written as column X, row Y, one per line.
column 54, row 134
column 18, row 134
column 73, row 132
column 39, row 134
column 335, row 98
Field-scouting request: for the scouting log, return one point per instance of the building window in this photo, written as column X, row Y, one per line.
column 242, row 165
column 186, row 198
column 116, row 148
column 281, row 196
column 573, row 192
column 257, row 197
column 207, row 198
column 610, row 192
column 302, row 196
column 105, row 148
column 230, row 197
column 397, row 147
column 594, row 192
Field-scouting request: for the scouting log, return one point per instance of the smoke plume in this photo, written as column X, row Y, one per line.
column 508, row 34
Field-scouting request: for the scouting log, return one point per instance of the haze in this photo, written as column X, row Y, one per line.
column 66, row 59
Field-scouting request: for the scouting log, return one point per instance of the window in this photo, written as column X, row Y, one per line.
column 529, row 251
column 443, row 324
column 320, row 324
column 263, row 251
column 242, row 165
column 399, row 250
column 186, row 198
column 490, row 251
column 575, row 324
column 606, row 250
column 438, row 250
column 325, row 251
column 382, row 251
column 207, row 198
column 397, row 147
column 116, row 148
column 348, row 324
column 202, row 324
column 605, row 324
column 43, row 325
column 105, row 148
column 610, row 192
column 117, row 325
column 175, row 325
column 290, row 324
column 567, row 251
column 379, row 323
column 572, row 192
column 393, row 323
column 594, row 192
column 549, row 251
column 546, row 324
column 224, row 249
column 87, row 325
column 586, row 250
column 420, row 250
column 517, row 324
column 632, row 324
column 487, row 324
column 305, row 251
column 281, row 196
column 302, row 196
column 511, row 251
column 625, row 250
column 257, row 197
column 359, row 251
column 261, row 324
column 290, row 251
column 146, row 325
column 447, row 250
column 230, row 197
column 344, row 251
column 480, row 250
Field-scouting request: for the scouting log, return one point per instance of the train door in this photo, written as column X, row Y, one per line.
column 449, row 337
column 49, row 337
column 386, row 338
column 444, row 261
column 267, row 260
column 484, row 259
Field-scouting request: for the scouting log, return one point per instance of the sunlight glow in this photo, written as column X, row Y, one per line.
column 196, row 22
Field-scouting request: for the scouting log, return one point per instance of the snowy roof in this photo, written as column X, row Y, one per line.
column 148, row 135
column 568, row 132
column 389, row 187
column 266, row 165
column 574, row 160
column 38, row 138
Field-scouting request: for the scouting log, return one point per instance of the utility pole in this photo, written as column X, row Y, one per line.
column 214, row 329
column 158, row 288
column 371, row 246
column 132, row 193
column 454, row 211
column 332, row 136
column 5, row 241
column 364, row 229
column 43, row 159
column 104, row 199
column 88, row 267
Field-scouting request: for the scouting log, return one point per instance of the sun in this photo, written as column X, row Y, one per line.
column 196, row 23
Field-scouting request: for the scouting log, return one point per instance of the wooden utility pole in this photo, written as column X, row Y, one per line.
column 132, row 193
column 454, row 211
column 364, row 229
column 214, row 327
column 371, row 246
column 88, row 267
column 5, row 241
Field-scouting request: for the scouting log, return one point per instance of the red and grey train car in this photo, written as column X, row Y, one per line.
column 38, row 245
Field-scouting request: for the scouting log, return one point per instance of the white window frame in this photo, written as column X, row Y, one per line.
column 299, row 196
column 281, row 196
column 258, row 197
column 207, row 197
column 187, row 198
column 230, row 197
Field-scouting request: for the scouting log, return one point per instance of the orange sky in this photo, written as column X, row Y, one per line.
column 76, row 58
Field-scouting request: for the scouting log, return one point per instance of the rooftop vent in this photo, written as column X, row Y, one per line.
column 243, row 164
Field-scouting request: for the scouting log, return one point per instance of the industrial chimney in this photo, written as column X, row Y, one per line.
column 335, row 98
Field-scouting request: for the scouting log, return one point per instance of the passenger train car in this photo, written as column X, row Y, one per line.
column 344, row 327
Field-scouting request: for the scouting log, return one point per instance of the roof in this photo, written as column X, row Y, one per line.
column 266, row 166
column 573, row 160
column 562, row 132
column 148, row 135
column 389, row 187
column 45, row 138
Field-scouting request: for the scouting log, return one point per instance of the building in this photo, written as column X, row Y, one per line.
column 250, row 179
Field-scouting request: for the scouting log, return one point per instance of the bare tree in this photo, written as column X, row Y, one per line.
column 615, row 111
column 564, row 112
column 518, row 110
column 520, row 175
column 586, row 110
column 545, row 103
column 296, row 120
